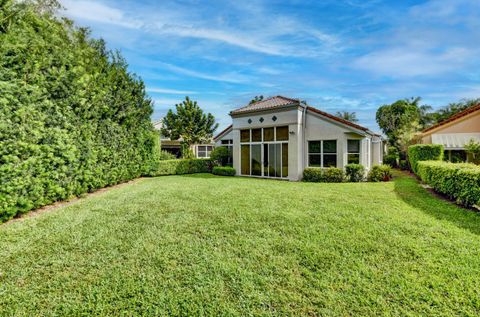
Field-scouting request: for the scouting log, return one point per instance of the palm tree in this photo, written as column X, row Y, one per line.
column 349, row 116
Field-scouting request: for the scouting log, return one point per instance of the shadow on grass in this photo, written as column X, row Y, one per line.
column 410, row 191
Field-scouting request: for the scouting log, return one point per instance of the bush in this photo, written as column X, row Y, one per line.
column 404, row 165
column 323, row 175
column 424, row 152
column 164, row 156
column 392, row 157
column 220, row 155
column 181, row 166
column 458, row 181
column 380, row 173
column 223, row 171
column 355, row 172
column 73, row 118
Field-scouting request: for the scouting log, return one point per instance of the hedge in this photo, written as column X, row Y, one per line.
column 224, row 171
column 424, row 152
column 380, row 173
column 323, row 175
column 72, row 117
column 458, row 181
column 355, row 172
column 179, row 167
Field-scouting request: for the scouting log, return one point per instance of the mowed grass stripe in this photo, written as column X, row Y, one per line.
column 203, row 245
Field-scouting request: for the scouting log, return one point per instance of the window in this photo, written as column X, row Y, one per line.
column 229, row 145
column 256, row 135
column 244, row 135
column 268, row 134
column 245, row 159
column 322, row 153
column 264, row 151
column 282, row 133
column 353, row 151
column 203, row 151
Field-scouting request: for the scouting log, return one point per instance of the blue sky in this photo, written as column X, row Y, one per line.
column 350, row 55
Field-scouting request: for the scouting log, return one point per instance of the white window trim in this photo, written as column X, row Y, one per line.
column 321, row 152
column 207, row 153
column 359, row 150
column 261, row 143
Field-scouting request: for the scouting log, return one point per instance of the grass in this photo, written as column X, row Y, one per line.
column 208, row 245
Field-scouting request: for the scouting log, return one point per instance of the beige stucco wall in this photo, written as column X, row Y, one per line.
column 467, row 124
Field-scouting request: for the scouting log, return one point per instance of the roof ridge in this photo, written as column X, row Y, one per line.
column 275, row 101
column 223, row 131
column 454, row 117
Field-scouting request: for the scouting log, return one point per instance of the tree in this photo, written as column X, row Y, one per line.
column 349, row 116
column 189, row 124
column 452, row 109
column 220, row 155
column 473, row 150
column 399, row 117
column 256, row 99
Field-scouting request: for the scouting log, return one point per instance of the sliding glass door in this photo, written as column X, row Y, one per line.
column 265, row 153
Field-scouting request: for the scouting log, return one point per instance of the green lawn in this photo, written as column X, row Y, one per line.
column 206, row 245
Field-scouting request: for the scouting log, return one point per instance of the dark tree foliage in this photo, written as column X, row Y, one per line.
column 256, row 99
column 395, row 118
column 452, row 109
column 189, row 124
column 72, row 118
column 349, row 116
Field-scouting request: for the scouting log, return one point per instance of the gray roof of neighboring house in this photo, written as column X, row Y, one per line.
column 270, row 103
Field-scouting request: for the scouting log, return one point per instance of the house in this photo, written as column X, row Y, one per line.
column 279, row 137
column 174, row 146
column 454, row 132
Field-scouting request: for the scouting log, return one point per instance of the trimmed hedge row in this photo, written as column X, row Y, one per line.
column 424, row 152
column 180, row 167
column 224, row 171
column 72, row 117
column 323, row 175
column 458, row 181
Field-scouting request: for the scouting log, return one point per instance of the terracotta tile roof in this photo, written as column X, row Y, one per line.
column 454, row 117
column 270, row 103
column 335, row 118
column 223, row 132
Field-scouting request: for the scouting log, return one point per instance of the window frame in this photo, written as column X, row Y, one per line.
column 206, row 151
column 322, row 153
column 354, row 153
column 262, row 142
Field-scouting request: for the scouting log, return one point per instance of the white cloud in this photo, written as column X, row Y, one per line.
column 170, row 91
column 407, row 62
column 98, row 12
column 232, row 77
column 279, row 36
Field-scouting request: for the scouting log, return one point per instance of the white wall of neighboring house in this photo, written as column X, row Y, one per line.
column 197, row 149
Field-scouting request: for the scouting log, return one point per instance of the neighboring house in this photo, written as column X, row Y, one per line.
column 279, row 137
column 174, row 146
column 454, row 132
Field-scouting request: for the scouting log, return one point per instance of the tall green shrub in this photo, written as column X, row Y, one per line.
column 424, row 152
column 459, row 181
column 72, row 118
